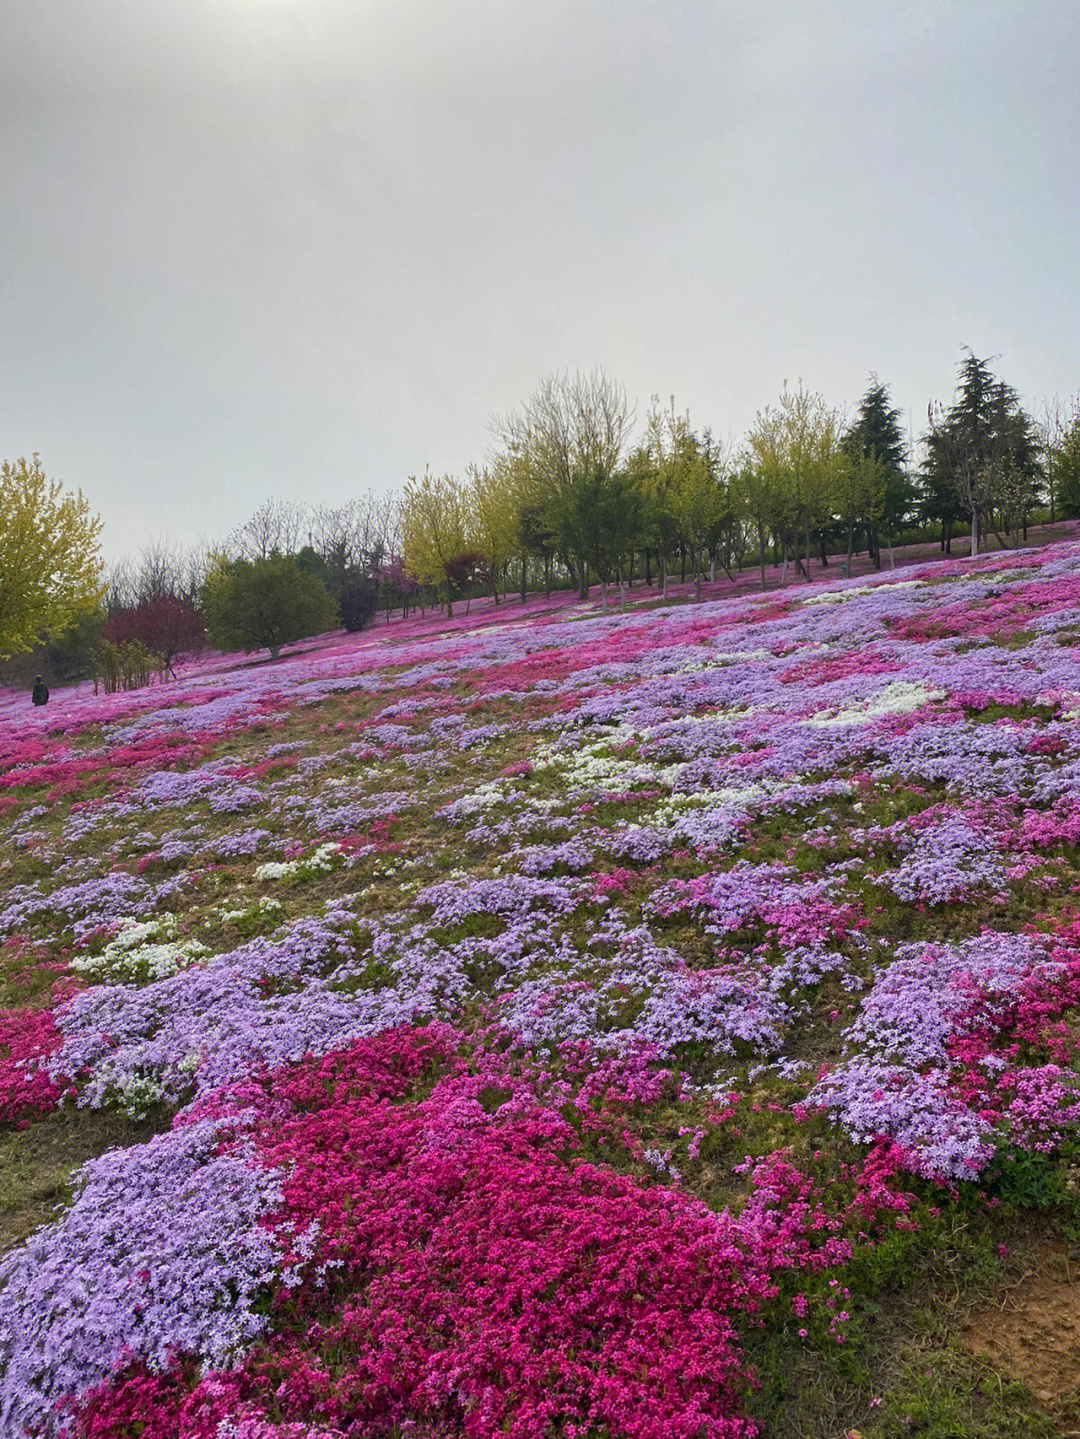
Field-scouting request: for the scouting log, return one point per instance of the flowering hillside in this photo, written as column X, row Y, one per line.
column 546, row 1024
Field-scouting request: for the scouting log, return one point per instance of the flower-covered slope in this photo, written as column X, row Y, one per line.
column 540, row 1014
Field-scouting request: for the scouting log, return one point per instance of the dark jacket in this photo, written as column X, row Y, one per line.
column 40, row 694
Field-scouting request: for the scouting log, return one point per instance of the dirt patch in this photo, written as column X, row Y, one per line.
column 1033, row 1332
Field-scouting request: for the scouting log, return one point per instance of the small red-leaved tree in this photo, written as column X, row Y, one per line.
column 170, row 628
column 396, row 584
column 464, row 572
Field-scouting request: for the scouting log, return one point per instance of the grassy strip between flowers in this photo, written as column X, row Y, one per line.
column 662, row 1024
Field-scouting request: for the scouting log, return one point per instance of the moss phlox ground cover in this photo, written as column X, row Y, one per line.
column 543, row 1017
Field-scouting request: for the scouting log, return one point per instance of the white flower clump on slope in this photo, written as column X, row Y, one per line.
column 142, row 950
column 900, row 697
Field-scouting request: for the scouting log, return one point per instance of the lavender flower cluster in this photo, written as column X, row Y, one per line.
column 161, row 1252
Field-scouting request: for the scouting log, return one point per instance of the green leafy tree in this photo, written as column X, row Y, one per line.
column 673, row 479
column 796, row 444
column 870, row 487
column 571, row 430
column 358, row 602
column 727, row 537
column 698, row 506
column 71, row 652
column 264, row 604
column 50, row 560
column 599, row 519
column 983, row 447
column 535, row 540
column 858, row 497
column 898, row 506
column 435, row 529
column 1066, row 461
column 1057, row 432
column 756, row 495
column 492, row 511
column 1017, row 479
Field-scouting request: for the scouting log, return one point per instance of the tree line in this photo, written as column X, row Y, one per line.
column 568, row 495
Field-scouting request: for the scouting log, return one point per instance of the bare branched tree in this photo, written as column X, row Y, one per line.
column 572, row 426
column 278, row 527
column 122, row 589
column 160, row 573
column 197, row 565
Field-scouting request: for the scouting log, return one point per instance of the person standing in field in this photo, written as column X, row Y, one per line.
column 40, row 692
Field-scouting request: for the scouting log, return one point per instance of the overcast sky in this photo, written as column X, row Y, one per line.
column 299, row 248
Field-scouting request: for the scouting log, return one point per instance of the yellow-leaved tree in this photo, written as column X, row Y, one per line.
column 434, row 529
column 797, row 442
column 50, row 561
column 492, row 519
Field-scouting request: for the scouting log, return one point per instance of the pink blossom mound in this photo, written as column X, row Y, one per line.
column 475, row 1273
column 547, row 1004
column 27, row 1038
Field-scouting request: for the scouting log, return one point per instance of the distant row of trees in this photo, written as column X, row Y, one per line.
column 568, row 492
column 567, row 496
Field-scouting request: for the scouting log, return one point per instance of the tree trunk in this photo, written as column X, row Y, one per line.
column 547, row 577
column 275, row 650
column 1003, row 543
column 761, row 554
column 974, row 531
column 522, row 579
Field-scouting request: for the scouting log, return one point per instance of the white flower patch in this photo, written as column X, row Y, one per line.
column 717, row 661
column 276, row 869
column 137, row 1096
column 670, row 813
column 836, row 597
column 485, row 796
column 728, row 657
column 900, row 697
column 266, row 908
column 686, row 722
column 999, row 577
column 320, row 861
column 143, row 950
column 589, row 768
